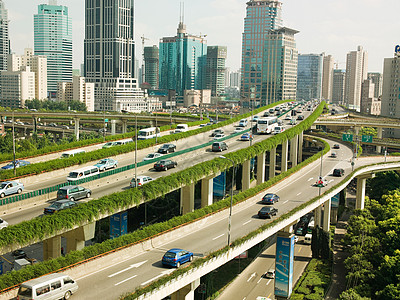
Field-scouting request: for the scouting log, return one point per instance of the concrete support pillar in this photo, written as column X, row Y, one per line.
column 246, row 175
column 124, row 126
column 113, row 127
column 360, row 196
column 357, row 130
column 272, row 162
column 327, row 215
column 380, row 134
column 317, row 216
column 293, row 150
column 261, row 168
column 187, row 292
column 284, row 160
column 77, row 237
column 76, row 129
column 187, row 199
column 52, row 248
column 34, row 123
column 207, row 189
column 300, row 152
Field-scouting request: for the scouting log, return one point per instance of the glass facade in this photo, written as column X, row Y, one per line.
column 53, row 38
column 309, row 76
column 215, row 71
column 261, row 16
column 4, row 37
column 182, row 62
column 151, row 59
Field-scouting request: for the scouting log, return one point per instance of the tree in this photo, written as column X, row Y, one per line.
column 382, row 184
column 368, row 131
column 351, row 294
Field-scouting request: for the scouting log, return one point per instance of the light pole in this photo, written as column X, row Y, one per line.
column 252, row 90
column 136, row 133
column 13, row 137
column 230, row 209
column 156, row 128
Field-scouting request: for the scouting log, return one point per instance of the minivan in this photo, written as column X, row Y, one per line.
column 181, row 128
column 73, row 192
column 50, row 287
column 71, row 153
column 219, row 146
column 279, row 129
column 243, row 123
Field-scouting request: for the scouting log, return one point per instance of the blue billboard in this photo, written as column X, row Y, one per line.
column 335, row 201
column 284, row 266
column 219, row 183
column 118, row 224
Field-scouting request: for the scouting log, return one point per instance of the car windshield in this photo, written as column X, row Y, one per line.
column 73, row 175
column 109, row 144
column 170, row 254
column 150, row 156
column 64, row 155
column 56, row 205
column 161, row 162
column 3, row 185
column 25, row 291
column 269, row 195
column 62, row 192
column 103, row 161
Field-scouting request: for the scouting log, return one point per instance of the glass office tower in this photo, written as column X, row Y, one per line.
column 53, row 38
column 4, row 37
column 309, row 76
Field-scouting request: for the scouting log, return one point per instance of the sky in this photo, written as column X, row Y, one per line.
column 331, row 26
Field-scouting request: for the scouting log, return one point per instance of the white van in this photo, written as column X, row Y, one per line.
column 279, row 129
column 49, row 287
column 72, row 153
column 181, row 128
column 243, row 123
column 123, row 142
column 83, row 173
column 308, row 238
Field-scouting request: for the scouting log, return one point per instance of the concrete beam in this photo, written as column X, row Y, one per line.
column 294, row 142
column 187, row 292
column 246, row 175
column 284, row 160
column 261, row 168
column 187, row 199
column 76, row 238
column 52, row 247
column 272, row 163
column 207, row 189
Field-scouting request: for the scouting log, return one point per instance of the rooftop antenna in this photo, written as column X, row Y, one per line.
column 182, row 12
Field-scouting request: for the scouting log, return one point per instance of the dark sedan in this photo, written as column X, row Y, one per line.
column 59, row 205
column 164, row 165
column 167, row 148
column 267, row 212
column 270, row 198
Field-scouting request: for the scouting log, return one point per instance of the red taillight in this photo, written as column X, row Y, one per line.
column 66, row 197
column 139, row 184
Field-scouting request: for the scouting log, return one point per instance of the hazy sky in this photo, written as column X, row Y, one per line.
column 331, row 26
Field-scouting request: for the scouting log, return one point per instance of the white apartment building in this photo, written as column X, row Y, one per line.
column 17, row 87
column 79, row 90
column 327, row 77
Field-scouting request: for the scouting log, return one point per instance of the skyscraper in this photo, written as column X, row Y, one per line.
column 4, row 38
column 182, row 61
column 151, row 66
column 261, row 16
column 215, row 70
column 377, row 79
column 309, row 76
column 339, row 81
column 356, row 73
column 327, row 77
column 53, row 38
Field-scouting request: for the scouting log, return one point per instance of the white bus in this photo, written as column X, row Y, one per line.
column 266, row 125
column 148, row 133
column 72, row 153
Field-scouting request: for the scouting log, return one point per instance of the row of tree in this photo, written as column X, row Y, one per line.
column 373, row 235
column 55, row 105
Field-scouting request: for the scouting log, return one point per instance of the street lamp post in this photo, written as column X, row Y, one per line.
column 13, row 137
column 230, row 209
column 136, row 133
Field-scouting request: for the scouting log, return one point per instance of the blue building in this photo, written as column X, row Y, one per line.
column 53, row 38
column 309, row 76
column 183, row 59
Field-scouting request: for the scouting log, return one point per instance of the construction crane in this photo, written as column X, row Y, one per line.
column 337, row 64
column 143, row 40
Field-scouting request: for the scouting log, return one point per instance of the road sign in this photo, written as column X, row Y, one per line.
column 105, row 120
column 367, row 138
column 347, row 137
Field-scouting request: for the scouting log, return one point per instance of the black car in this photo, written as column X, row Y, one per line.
column 300, row 117
column 59, row 205
column 267, row 212
column 270, row 198
column 167, row 148
column 165, row 164
column 338, row 172
column 336, row 146
column 219, row 146
column 18, row 254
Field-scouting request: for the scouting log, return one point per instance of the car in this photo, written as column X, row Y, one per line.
column 165, row 164
column 338, row 172
column 270, row 274
column 109, row 145
column 246, row 136
column 336, row 146
column 18, row 163
column 10, row 187
column 59, row 205
column 219, row 147
column 52, row 125
column 300, row 117
column 321, row 182
column 64, row 126
column 106, row 163
column 140, row 181
column 288, row 117
column 73, row 192
column 333, row 155
column 293, row 121
column 270, row 198
column 3, row 223
column 152, row 156
column 296, row 239
column 267, row 114
column 271, row 110
column 238, row 129
column 18, row 254
column 217, row 131
column 267, row 212
column 175, row 257
column 218, row 136
column 255, row 118
column 167, row 148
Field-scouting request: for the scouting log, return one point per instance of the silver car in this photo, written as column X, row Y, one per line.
column 11, row 187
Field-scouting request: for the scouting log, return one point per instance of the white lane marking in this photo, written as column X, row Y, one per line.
column 251, row 277
column 130, row 267
column 330, row 180
column 121, row 282
column 285, row 202
column 218, row 237
column 269, row 281
column 246, row 223
column 158, row 276
column 299, row 194
column 310, row 178
column 259, row 280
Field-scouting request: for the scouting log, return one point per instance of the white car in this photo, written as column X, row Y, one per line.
column 140, row 181
column 3, row 224
column 270, row 274
column 152, row 156
column 219, row 136
column 288, row 117
column 238, row 129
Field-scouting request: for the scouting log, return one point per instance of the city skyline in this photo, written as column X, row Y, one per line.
column 332, row 28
